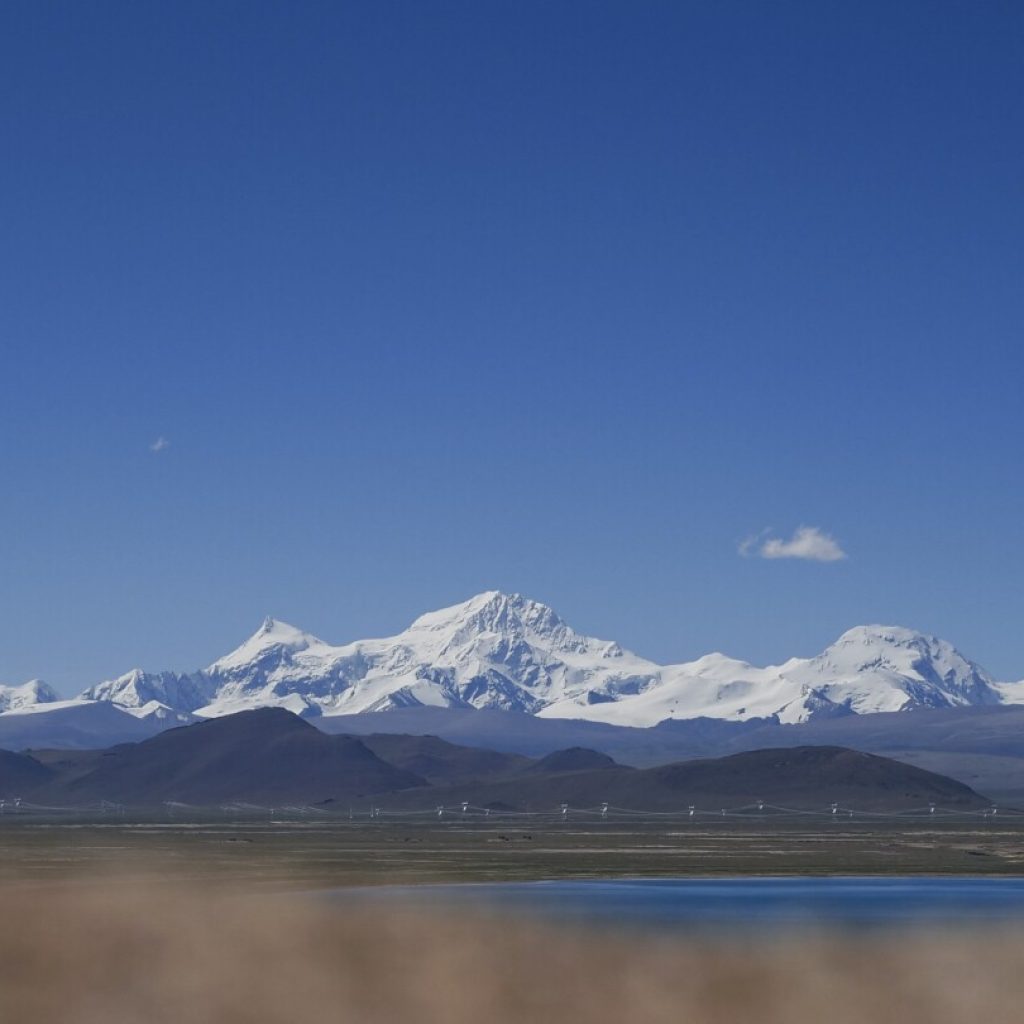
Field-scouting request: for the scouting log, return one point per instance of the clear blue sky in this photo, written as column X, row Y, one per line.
column 568, row 298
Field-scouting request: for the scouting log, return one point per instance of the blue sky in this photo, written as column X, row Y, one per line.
column 571, row 299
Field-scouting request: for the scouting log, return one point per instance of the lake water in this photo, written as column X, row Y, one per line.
column 732, row 903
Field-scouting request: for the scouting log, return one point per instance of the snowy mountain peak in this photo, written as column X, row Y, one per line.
column 272, row 636
column 715, row 663
column 895, row 647
column 40, row 692
column 888, row 668
column 513, row 617
column 876, row 635
column 140, row 692
column 274, row 631
column 491, row 612
column 275, row 627
column 35, row 691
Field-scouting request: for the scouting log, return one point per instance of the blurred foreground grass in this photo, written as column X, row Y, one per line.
column 117, row 952
column 199, row 923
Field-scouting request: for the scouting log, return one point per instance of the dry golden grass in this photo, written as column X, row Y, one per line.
column 164, row 954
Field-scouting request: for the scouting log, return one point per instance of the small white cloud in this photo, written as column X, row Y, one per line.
column 161, row 444
column 808, row 543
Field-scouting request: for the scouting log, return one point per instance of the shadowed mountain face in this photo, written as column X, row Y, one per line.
column 82, row 726
column 20, row 774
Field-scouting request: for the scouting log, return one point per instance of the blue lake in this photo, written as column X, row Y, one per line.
column 730, row 903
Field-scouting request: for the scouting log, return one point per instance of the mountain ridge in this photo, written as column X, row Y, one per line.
column 508, row 652
column 268, row 757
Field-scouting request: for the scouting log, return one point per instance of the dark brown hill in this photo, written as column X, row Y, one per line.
column 981, row 746
column 265, row 757
column 439, row 761
column 575, row 759
column 803, row 777
column 271, row 757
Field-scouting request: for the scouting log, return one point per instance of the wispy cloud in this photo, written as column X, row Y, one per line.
column 161, row 444
column 807, row 543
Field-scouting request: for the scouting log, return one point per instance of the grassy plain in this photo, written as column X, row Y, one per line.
column 296, row 854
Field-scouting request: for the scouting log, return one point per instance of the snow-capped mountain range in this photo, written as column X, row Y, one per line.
column 508, row 652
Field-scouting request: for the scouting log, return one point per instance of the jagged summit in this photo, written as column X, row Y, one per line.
column 492, row 610
column 277, row 629
column 272, row 634
column 509, row 652
column 493, row 613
